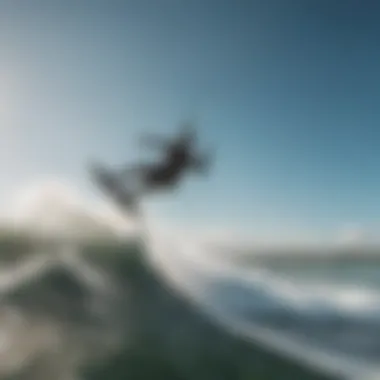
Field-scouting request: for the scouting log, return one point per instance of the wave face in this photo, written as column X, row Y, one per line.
column 79, row 302
column 108, row 310
column 327, row 307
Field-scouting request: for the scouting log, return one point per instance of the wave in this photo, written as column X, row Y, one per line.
column 319, row 299
column 318, row 320
column 260, row 289
column 100, row 309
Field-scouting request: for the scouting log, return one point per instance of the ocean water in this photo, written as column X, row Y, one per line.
column 159, row 308
column 336, row 306
column 323, row 312
column 326, row 307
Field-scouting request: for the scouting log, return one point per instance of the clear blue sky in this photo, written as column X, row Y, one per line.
column 288, row 91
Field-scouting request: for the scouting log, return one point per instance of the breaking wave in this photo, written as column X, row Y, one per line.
column 94, row 306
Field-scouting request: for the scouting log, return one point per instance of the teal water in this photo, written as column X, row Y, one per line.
column 326, row 303
column 98, row 311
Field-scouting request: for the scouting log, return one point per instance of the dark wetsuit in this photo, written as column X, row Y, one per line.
column 169, row 172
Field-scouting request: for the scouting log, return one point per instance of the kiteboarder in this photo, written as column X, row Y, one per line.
column 179, row 157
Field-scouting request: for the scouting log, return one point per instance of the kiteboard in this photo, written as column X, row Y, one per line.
column 110, row 183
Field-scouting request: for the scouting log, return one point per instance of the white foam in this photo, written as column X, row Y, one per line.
column 204, row 276
column 349, row 299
